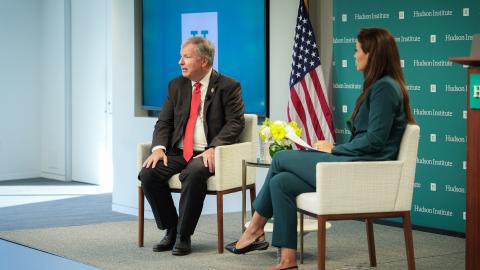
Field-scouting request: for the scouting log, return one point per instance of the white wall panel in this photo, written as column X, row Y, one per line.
column 89, row 83
column 20, row 88
column 53, row 116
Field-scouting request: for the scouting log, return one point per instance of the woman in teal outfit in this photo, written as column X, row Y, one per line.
column 378, row 121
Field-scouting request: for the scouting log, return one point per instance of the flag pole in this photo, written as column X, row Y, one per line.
column 306, row 3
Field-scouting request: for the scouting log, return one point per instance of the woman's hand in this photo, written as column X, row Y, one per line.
column 324, row 146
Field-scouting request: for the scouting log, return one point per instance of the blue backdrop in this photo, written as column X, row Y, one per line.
column 241, row 46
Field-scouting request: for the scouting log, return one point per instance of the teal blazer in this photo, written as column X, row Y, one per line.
column 378, row 126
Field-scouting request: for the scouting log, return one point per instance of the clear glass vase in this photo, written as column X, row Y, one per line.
column 275, row 148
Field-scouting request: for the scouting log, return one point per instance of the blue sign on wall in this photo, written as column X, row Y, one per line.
column 237, row 28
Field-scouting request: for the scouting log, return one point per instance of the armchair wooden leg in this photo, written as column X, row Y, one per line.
column 371, row 242
column 407, row 231
column 253, row 194
column 301, row 238
column 321, row 235
column 140, row 216
column 220, row 221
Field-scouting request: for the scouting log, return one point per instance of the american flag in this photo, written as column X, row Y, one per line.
column 308, row 104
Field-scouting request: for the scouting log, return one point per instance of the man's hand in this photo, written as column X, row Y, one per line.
column 324, row 146
column 152, row 160
column 208, row 159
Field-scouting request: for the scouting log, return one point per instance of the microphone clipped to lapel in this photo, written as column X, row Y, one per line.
column 210, row 93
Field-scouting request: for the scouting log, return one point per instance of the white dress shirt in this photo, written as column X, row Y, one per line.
column 199, row 138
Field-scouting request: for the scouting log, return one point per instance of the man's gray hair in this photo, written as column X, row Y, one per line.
column 204, row 47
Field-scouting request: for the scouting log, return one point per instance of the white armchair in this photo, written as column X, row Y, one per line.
column 227, row 178
column 365, row 190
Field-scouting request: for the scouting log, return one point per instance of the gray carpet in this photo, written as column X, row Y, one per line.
column 89, row 209
column 113, row 246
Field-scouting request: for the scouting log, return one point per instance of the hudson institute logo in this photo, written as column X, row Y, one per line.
column 455, row 139
column 344, row 40
column 458, row 37
column 432, row 211
column 343, row 131
column 371, row 16
column 406, row 39
column 432, row 112
column 435, row 162
column 432, row 63
column 455, row 88
column 454, row 188
column 347, row 86
column 432, row 13
column 202, row 24
column 414, row 87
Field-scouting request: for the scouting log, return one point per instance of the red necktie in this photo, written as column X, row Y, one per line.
column 194, row 108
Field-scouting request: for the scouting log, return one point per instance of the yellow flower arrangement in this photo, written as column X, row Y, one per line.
column 274, row 133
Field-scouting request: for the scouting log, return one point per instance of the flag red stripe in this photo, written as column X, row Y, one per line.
column 323, row 102
column 311, row 110
column 297, row 105
column 297, row 146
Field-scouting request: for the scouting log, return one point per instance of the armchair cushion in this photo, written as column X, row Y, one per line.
column 365, row 186
column 353, row 187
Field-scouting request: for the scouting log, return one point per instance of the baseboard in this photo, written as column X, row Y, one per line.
column 54, row 176
column 130, row 210
column 15, row 176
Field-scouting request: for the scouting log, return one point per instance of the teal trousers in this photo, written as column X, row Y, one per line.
column 292, row 173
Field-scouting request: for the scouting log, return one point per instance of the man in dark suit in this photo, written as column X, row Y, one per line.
column 203, row 109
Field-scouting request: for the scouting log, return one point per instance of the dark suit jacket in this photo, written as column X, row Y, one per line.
column 223, row 112
column 378, row 127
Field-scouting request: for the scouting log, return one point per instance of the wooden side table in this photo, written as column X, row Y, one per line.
column 245, row 164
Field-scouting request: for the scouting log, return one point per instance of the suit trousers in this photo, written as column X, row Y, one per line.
column 292, row 173
column 193, row 176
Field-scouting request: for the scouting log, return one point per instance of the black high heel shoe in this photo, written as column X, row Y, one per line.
column 255, row 245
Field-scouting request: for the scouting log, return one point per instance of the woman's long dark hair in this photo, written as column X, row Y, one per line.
column 383, row 60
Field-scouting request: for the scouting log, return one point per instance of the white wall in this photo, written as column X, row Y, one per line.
column 53, row 90
column 283, row 15
column 127, row 130
column 90, row 157
column 40, row 104
column 20, row 81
